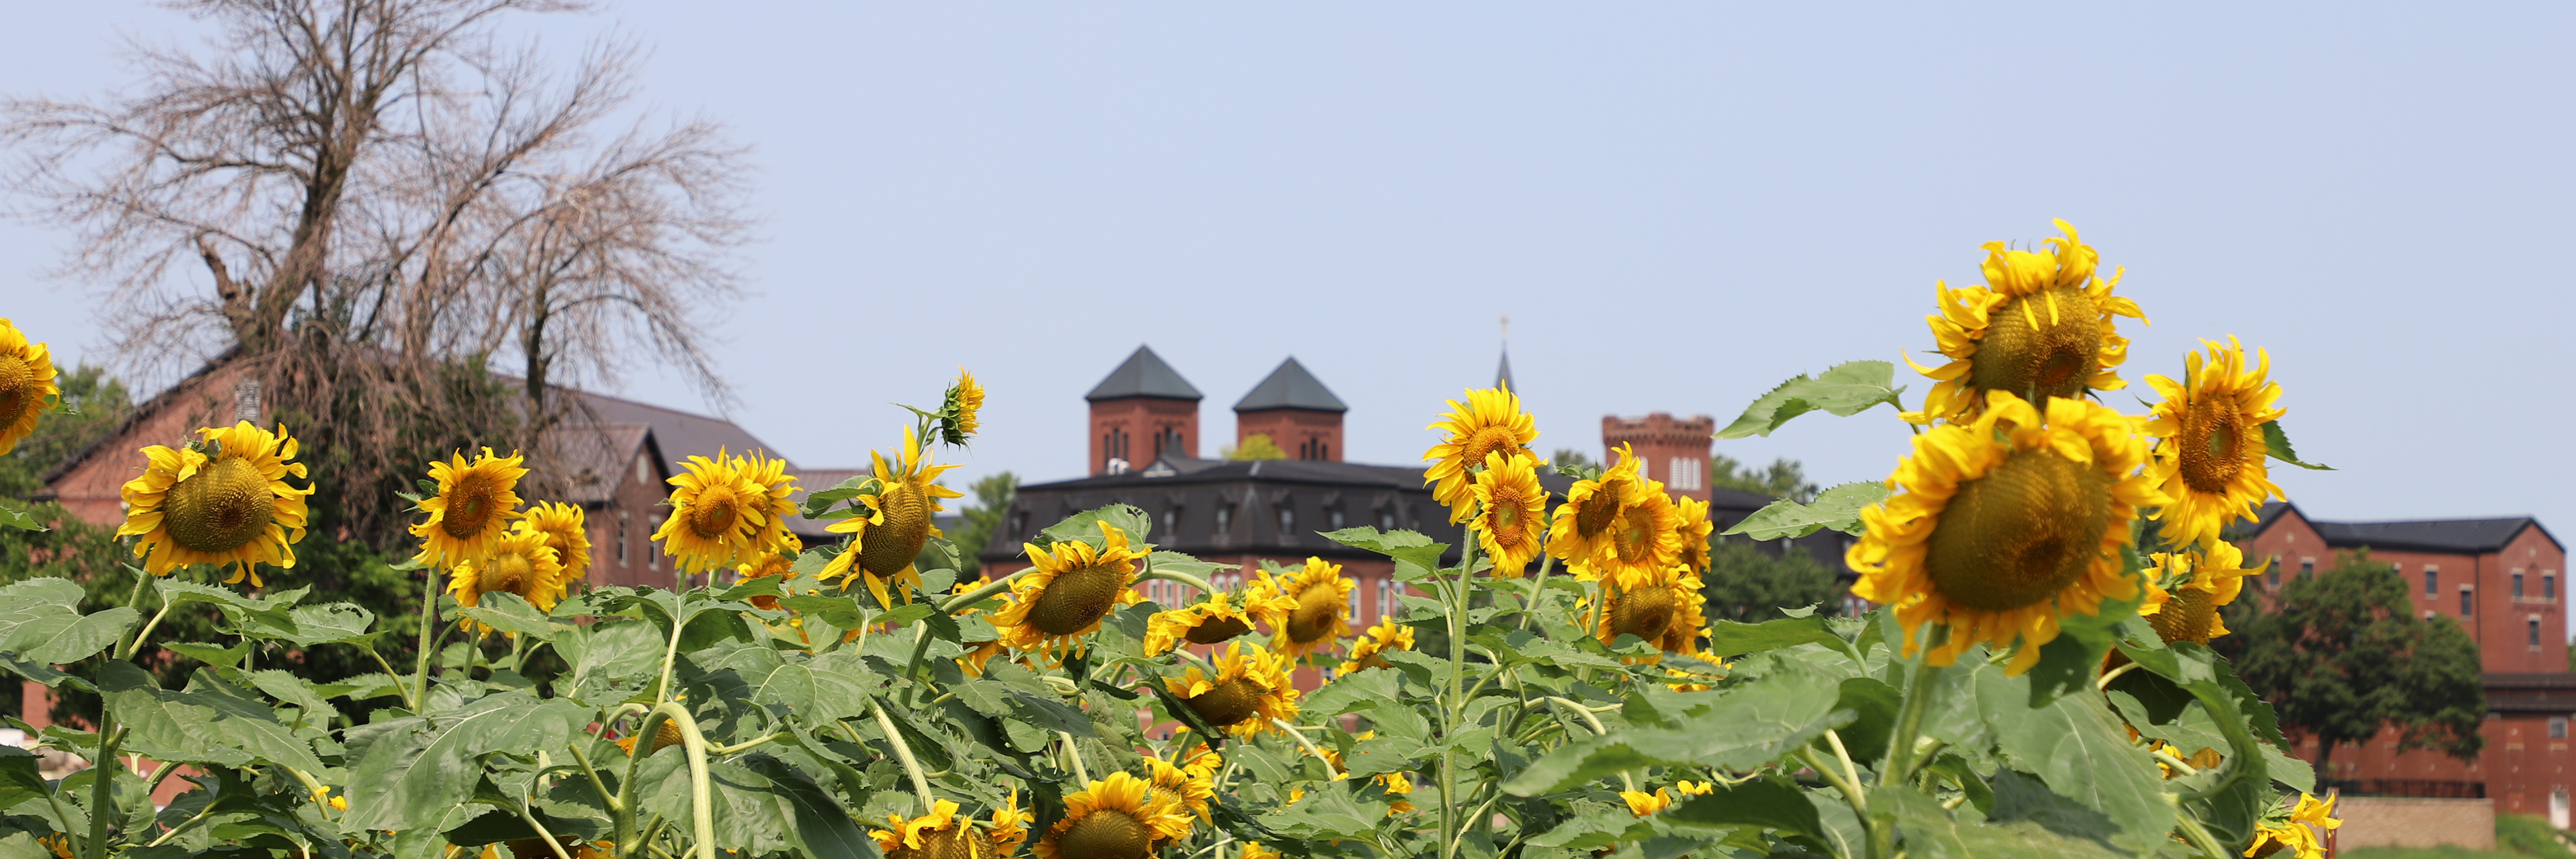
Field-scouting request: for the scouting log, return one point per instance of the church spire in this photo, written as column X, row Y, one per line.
column 1503, row 371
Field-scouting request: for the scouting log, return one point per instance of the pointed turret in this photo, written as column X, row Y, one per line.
column 1296, row 411
column 1143, row 411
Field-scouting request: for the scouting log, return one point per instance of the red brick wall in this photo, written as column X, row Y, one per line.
column 2498, row 621
column 1667, row 446
column 1303, row 433
column 91, row 490
column 2521, row 765
column 640, row 491
column 1137, row 421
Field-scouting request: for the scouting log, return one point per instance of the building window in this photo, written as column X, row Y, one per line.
column 652, row 559
column 2275, row 572
column 2549, row 584
column 2468, row 598
column 2432, row 582
column 1336, row 515
column 1386, row 520
column 2558, row 727
column 1225, row 520
column 1356, row 617
column 1020, row 523
column 1386, row 592
column 2307, row 567
column 1684, row 471
column 622, row 516
column 1171, row 521
column 1287, row 520
column 2534, row 627
column 246, row 400
column 1323, row 451
column 2517, row 584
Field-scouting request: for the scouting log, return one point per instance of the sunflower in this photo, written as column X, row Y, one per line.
column 223, row 500
column 520, row 562
column 1643, row 804
column 718, row 514
column 1511, row 512
column 1645, row 540
column 1490, row 421
column 957, row 420
column 1119, row 817
column 1250, row 688
column 1587, row 522
column 2294, row 833
column 1368, row 652
column 473, row 507
column 2006, row 525
column 1009, row 826
column 1691, row 529
column 1195, row 786
column 941, row 834
column 562, row 525
column 883, row 544
column 26, row 385
column 2203, row 580
column 2210, row 457
column 2040, row 327
column 1664, row 610
column 1319, row 618
column 1071, row 588
column 1216, row 619
column 771, row 475
column 769, row 564
column 1397, row 785
column 1255, row 850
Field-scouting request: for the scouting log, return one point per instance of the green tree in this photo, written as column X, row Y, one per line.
column 1255, row 446
column 1746, row 583
column 1783, row 478
column 1567, row 456
column 993, row 496
column 93, row 403
column 2344, row 655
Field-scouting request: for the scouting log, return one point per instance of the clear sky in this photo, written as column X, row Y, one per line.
column 1678, row 205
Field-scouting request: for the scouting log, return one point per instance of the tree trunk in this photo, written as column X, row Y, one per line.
column 2325, row 759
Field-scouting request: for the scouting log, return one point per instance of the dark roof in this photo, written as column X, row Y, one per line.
column 680, row 434
column 2537, row 692
column 148, row 408
column 1291, row 387
column 809, row 481
column 2451, row 536
column 1143, row 375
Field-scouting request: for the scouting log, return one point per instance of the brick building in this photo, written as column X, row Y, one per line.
column 613, row 459
column 1244, row 512
column 1672, row 450
column 2500, row 578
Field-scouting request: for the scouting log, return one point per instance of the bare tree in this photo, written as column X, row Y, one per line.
column 385, row 202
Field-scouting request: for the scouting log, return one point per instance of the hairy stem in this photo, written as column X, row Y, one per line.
column 903, row 754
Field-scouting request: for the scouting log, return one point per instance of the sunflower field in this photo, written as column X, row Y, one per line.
column 2032, row 678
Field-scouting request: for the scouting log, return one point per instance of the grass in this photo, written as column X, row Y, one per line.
column 2518, row 836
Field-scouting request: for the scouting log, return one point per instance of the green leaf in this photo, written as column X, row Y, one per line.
column 15, row 516
column 40, row 622
column 1750, row 726
column 2073, row 660
column 2082, row 752
column 840, row 612
column 1053, row 715
column 1775, row 804
column 822, row 826
column 419, row 768
column 1875, row 705
column 822, row 690
column 1931, row 832
column 198, row 727
column 332, row 623
column 1729, row 638
column 19, row 780
column 752, row 813
column 2276, row 444
column 1180, row 563
column 1837, row 508
column 1085, row 526
column 1848, row 389
column 1406, row 546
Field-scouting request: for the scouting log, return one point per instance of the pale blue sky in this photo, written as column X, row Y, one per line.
column 1678, row 204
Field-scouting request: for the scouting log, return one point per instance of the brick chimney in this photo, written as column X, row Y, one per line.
column 1673, row 450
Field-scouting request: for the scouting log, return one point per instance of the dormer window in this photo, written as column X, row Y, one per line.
column 1386, row 520
column 1336, row 516
column 1225, row 520
column 1287, row 520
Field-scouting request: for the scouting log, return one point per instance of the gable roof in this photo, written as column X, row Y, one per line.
column 679, row 434
column 1143, row 375
column 1291, row 387
column 593, row 458
column 2449, row 536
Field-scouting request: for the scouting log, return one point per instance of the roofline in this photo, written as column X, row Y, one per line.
column 136, row 416
column 2528, row 522
column 1090, row 398
column 1202, row 477
column 1241, row 410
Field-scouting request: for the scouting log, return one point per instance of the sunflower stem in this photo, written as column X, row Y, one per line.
column 671, row 654
column 428, row 620
column 596, row 783
column 1450, row 708
column 920, row 648
column 1183, row 578
column 1073, row 755
column 903, row 754
column 136, row 646
column 1538, row 587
